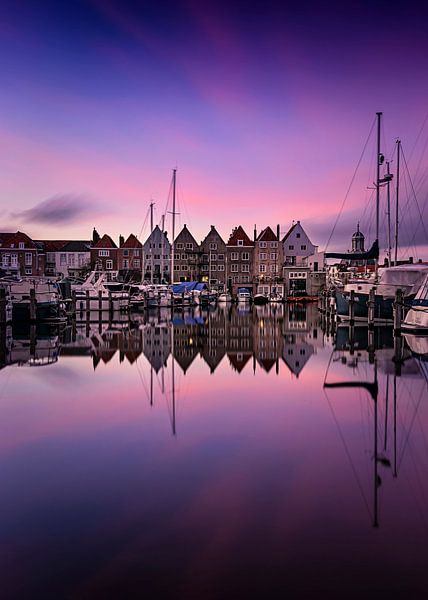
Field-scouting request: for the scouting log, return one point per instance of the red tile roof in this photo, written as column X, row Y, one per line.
column 9, row 238
column 105, row 242
column 266, row 235
column 239, row 234
column 132, row 242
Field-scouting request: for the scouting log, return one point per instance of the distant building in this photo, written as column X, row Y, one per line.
column 357, row 246
column 240, row 253
column 72, row 258
column 186, row 257
column 297, row 246
column 213, row 260
column 20, row 255
column 104, row 257
column 157, row 257
column 129, row 259
column 268, row 261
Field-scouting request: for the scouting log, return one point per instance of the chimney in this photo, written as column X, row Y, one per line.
column 212, row 227
column 255, row 232
column 411, row 260
column 121, row 241
column 278, row 232
column 95, row 236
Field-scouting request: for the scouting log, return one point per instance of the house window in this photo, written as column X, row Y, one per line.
column 189, row 246
column 28, row 258
column 245, row 279
column 179, row 246
column 14, row 260
column 245, row 256
column 184, row 268
column 213, row 257
column 126, row 252
column 274, row 244
column 221, row 257
column 214, row 268
column 176, row 267
column 213, row 246
column 297, row 235
column 28, row 271
column 291, row 247
column 220, row 267
column 263, row 244
column 234, row 256
column 137, row 263
column 125, row 263
column 176, row 257
column 109, row 264
column 234, row 268
column 262, row 268
column 160, row 245
column 273, row 255
column 104, row 253
column 303, row 247
column 245, row 268
column 157, row 256
column 236, row 279
column 184, row 257
column 136, row 252
column 240, row 242
column 166, row 256
column 21, row 245
column 274, row 268
column 81, row 260
column 165, row 268
column 6, row 260
column 262, row 255
column 71, row 260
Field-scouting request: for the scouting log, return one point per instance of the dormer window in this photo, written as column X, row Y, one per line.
column 240, row 242
column 21, row 245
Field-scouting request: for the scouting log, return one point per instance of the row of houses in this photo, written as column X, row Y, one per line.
column 260, row 262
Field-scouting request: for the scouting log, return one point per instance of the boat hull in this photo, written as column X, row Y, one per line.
column 45, row 311
column 383, row 307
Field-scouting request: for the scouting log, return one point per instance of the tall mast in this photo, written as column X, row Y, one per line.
column 174, row 181
column 389, row 211
column 396, row 202
column 162, row 247
column 151, row 241
column 378, row 163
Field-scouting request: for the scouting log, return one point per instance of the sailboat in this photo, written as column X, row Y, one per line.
column 407, row 278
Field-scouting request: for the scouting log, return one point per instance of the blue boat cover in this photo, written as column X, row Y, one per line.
column 188, row 286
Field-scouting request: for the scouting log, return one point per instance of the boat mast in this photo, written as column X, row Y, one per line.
column 174, row 181
column 162, row 248
column 378, row 163
column 389, row 211
column 396, row 202
column 151, row 241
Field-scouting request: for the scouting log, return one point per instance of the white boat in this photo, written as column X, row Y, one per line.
column 417, row 318
column 96, row 294
column 224, row 297
column 46, row 296
column 244, row 296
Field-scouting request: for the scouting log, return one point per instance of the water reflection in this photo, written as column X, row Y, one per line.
column 191, row 456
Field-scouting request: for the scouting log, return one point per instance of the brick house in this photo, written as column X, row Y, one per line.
column 104, row 257
column 157, row 257
column 268, row 262
column 213, row 260
column 20, row 255
column 297, row 246
column 186, row 257
column 240, row 252
column 129, row 259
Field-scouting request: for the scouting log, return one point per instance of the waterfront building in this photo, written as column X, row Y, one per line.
column 268, row 262
column 157, row 257
column 129, row 258
column 213, row 260
column 20, row 255
column 104, row 257
column 186, row 257
column 240, row 252
column 71, row 259
column 297, row 246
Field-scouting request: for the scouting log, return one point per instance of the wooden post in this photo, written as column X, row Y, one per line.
column 100, row 302
column 2, row 306
column 351, row 306
column 73, row 304
column 398, row 312
column 33, row 340
column 88, row 305
column 371, row 308
column 33, row 304
column 110, row 302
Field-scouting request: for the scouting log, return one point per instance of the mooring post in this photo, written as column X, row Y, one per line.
column 73, row 304
column 351, row 306
column 33, row 304
column 2, row 306
column 398, row 312
column 371, row 308
column 110, row 302
column 88, row 305
column 100, row 302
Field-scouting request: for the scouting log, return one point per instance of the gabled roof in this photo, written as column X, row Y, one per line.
column 53, row 245
column 238, row 363
column 292, row 228
column 132, row 242
column 239, row 234
column 267, row 235
column 9, row 238
column 105, row 242
column 212, row 232
column 77, row 246
column 186, row 233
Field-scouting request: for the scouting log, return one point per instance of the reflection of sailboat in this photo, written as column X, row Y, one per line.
column 354, row 358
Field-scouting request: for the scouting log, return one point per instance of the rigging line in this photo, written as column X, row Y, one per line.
column 350, row 185
column 406, row 440
column 418, row 136
column 414, row 194
column 354, row 470
column 143, row 226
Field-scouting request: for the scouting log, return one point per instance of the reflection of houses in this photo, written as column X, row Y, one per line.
column 213, row 259
column 156, row 345
column 156, row 255
column 189, row 337
column 106, row 344
column 214, row 336
column 239, row 338
column 186, row 257
column 267, row 337
column 301, row 336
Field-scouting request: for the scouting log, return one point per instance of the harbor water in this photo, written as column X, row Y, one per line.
column 222, row 453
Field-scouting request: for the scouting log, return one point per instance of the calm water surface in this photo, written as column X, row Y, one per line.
column 214, row 456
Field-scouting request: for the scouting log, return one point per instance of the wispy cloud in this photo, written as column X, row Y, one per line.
column 59, row 209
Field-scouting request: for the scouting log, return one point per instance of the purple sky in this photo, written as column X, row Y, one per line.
column 263, row 107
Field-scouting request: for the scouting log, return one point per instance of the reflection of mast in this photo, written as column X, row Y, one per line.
column 151, row 384
column 173, row 382
column 151, row 241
